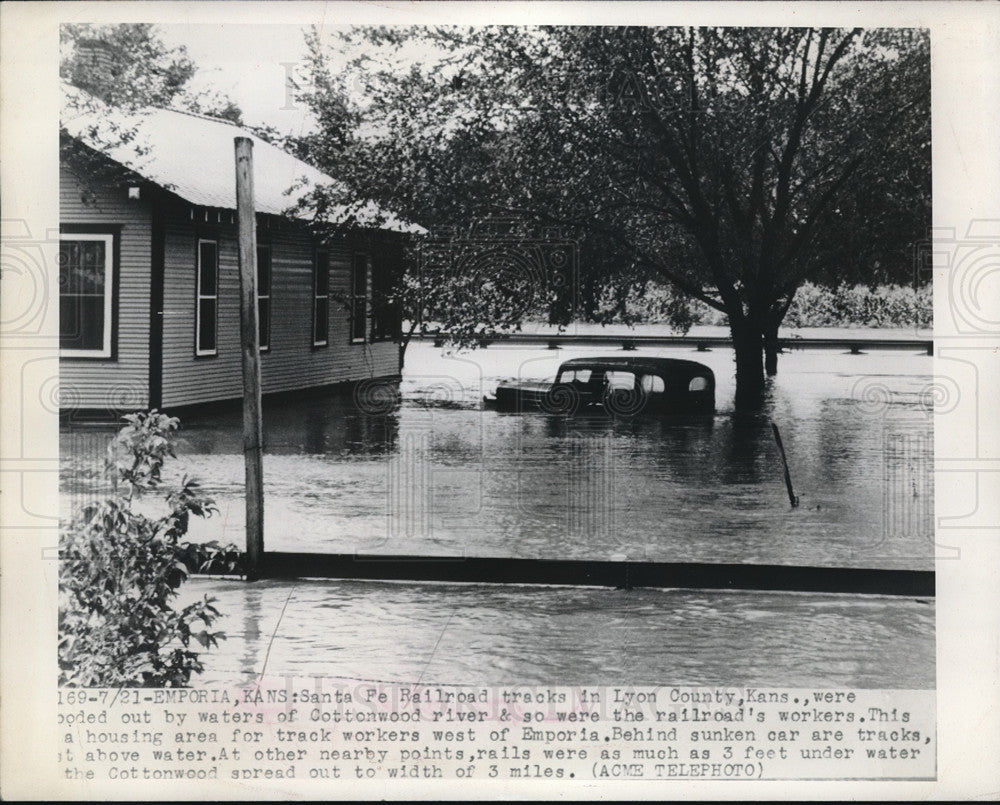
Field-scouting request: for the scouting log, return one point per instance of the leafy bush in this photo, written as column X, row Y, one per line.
column 813, row 306
column 860, row 306
column 120, row 570
column 653, row 303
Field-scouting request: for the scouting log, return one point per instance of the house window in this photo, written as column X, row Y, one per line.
column 384, row 312
column 206, row 313
column 86, row 280
column 321, row 299
column 359, row 297
column 264, row 297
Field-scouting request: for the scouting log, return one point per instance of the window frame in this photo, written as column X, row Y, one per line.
column 199, row 297
column 109, row 236
column 316, row 296
column 363, row 297
column 264, row 296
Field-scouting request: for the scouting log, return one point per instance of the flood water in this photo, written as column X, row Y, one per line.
column 424, row 469
column 440, row 634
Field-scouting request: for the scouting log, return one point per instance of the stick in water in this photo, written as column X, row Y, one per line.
column 788, row 478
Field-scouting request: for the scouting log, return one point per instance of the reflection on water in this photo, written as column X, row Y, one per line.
column 437, row 474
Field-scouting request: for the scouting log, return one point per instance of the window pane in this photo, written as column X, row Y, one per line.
column 207, row 269
column 619, row 380
column 698, row 384
column 263, row 270
column 69, row 322
column 385, row 313
column 82, row 266
column 321, row 327
column 206, row 325
column 322, row 273
column 264, row 320
column 81, row 322
column 652, row 384
column 359, row 293
column 359, row 275
column 92, row 266
column 358, row 316
column 68, row 260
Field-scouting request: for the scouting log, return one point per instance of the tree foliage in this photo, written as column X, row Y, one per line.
column 120, row 571
column 129, row 66
column 734, row 164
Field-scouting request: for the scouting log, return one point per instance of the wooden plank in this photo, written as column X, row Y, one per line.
column 682, row 575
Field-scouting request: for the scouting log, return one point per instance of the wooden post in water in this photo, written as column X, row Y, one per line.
column 784, row 461
column 250, row 340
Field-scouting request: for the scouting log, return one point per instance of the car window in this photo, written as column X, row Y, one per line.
column 575, row 376
column 698, row 384
column 652, row 384
column 614, row 381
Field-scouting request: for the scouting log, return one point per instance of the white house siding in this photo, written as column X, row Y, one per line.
column 292, row 362
column 122, row 381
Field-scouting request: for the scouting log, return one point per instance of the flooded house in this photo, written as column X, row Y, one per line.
column 149, row 295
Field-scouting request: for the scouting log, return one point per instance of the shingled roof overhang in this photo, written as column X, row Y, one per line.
column 192, row 156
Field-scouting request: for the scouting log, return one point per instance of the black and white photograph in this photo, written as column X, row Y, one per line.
column 556, row 398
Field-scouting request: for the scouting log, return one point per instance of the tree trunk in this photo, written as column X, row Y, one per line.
column 588, row 300
column 404, row 342
column 748, row 345
column 621, row 304
column 771, row 350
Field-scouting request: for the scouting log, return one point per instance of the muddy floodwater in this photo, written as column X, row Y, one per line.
column 422, row 468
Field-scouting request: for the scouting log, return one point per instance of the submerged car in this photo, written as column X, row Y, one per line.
column 624, row 386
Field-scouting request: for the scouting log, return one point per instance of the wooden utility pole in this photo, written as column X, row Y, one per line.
column 250, row 339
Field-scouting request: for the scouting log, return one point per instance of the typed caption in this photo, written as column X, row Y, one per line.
column 319, row 730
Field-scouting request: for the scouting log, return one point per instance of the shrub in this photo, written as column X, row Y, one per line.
column 655, row 303
column 120, row 570
column 860, row 306
column 813, row 306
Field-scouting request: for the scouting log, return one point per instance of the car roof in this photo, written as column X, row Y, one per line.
column 641, row 362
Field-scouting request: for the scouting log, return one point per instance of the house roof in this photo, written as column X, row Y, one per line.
column 192, row 156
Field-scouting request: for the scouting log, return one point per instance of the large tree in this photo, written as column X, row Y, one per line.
column 733, row 163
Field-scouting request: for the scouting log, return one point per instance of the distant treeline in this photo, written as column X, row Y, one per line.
column 814, row 306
